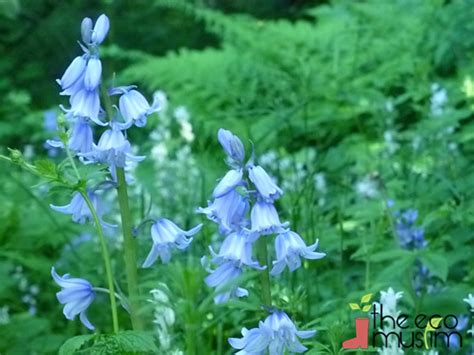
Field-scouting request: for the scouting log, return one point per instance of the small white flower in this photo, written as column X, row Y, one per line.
column 389, row 300
column 162, row 99
column 367, row 188
column 159, row 152
column 439, row 97
column 181, row 114
column 186, row 131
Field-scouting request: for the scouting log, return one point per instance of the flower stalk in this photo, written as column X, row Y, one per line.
column 264, row 274
column 130, row 249
column 106, row 257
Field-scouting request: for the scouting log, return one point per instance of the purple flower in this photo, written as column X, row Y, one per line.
column 101, row 29
column 167, row 235
column 410, row 236
column 112, row 149
column 76, row 294
column 234, row 253
column 230, row 181
column 86, row 103
column 80, row 140
column 265, row 220
column 228, row 211
column 290, row 248
column 275, row 335
column 79, row 210
column 73, row 73
column 93, row 73
column 134, row 107
column 264, row 183
column 95, row 36
column 231, row 145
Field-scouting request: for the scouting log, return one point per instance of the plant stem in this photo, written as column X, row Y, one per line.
column 106, row 257
column 130, row 249
column 265, row 274
column 73, row 163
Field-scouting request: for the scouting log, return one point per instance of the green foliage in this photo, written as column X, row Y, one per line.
column 343, row 104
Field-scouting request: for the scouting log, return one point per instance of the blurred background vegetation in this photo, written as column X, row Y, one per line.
column 348, row 104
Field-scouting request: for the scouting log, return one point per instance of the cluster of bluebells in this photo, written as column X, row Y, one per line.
column 246, row 191
column 82, row 82
column 412, row 237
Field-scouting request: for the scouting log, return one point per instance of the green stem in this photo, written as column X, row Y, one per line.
column 130, row 249
column 73, row 163
column 265, row 274
column 106, row 257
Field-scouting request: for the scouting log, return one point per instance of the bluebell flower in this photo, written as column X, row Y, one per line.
column 275, row 335
column 265, row 220
column 79, row 210
column 410, row 236
column 290, row 248
column 231, row 145
column 228, row 211
column 220, row 279
column 167, row 235
column 86, row 30
column 86, row 103
column 81, row 138
column 93, row 73
column 234, row 253
column 94, row 36
column 230, row 181
column 77, row 295
column 101, row 28
column 265, row 185
column 112, row 149
column 74, row 74
column 133, row 106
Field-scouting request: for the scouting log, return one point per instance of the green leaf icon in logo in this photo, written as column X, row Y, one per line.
column 366, row 298
column 354, row 306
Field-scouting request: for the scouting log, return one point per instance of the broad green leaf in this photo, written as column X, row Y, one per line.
column 366, row 308
column 74, row 344
column 436, row 263
column 46, row 168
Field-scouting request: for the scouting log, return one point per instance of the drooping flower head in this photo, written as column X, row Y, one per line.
column 166, row 235
column 232, row 145
column 265, row 220
column 82, row 77
column 133, row 106
column 79, row 210
column 76, row 294
column 229, row 182
column 290, row 248
column 229, row 211
column 265, row 185
column 112, row 149
column 275, row 335
column 234, row 253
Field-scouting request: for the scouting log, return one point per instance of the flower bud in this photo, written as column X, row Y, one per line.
column 86, row 30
